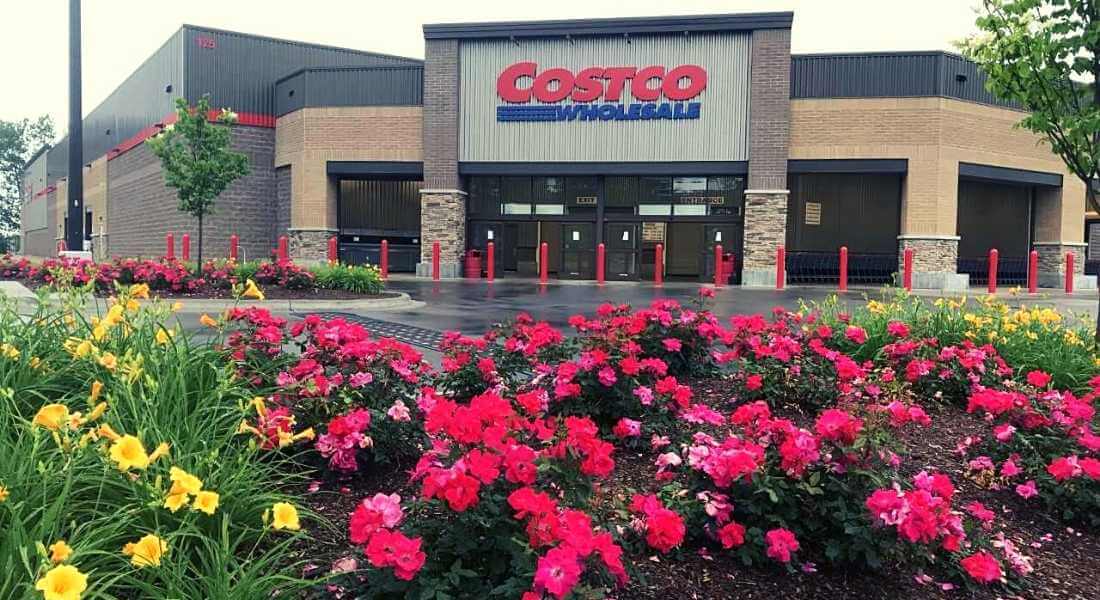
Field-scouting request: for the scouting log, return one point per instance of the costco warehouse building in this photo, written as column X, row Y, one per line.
column 682, row 131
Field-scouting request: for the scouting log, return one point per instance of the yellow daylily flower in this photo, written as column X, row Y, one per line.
column 251, row 290
column 97, row 412
column 106, row 431
column 207, row 321
column 129, row 453
column 160, row 451
column 164, row 336
column 108, row 361
column 174, row 502
column 146, row 552
column 140, row 290
column 60, row 551
column 206, row 501
column 9, row 351
column 184, row 481
column 63, row 582
column 285, row 516
column 4, row 493
column 52, row 416
column 97, row 389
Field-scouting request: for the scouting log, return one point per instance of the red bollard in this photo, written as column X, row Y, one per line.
column 993, row 254
column 843, row 284
column 544, row 262
column 170, row 246
column 491, row 267
column 1069, row 272
column 384, row 259
column 185, row 246
column 435, row 261
column 234, row 242
column 333, row 250
column 907, row 270
column 780, row 267
column 1033, row 272
column 601, row 266
column 718, row 265
column 283, row 254
column 659, row 265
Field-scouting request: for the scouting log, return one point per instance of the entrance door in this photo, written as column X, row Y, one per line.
column 729, row 236
column 685, row 247
column 621, row 242
column 578, row 251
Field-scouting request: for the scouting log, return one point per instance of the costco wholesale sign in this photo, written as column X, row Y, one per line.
column 595, row 93
column 652, row 98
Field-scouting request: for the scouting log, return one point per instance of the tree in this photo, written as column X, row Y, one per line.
column 195, row 155
column 1045, row 55
column 18, row 141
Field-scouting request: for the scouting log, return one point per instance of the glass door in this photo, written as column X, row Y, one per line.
column 578, row 251
column 621, row 242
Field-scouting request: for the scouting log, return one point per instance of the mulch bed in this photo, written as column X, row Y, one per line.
column 1066, row 559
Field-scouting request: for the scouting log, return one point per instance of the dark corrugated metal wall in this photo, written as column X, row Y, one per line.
column 140, row 101
column 890, row 75
column 861, row 211
column 993, row 215
column 350, row 86
column 239, row 71
column 378, row 207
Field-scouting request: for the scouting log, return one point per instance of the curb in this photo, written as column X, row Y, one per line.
column 401, row 302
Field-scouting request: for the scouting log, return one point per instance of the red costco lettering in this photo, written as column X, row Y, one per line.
column 647, row 84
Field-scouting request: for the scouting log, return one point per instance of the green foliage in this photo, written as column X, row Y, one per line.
column 196, row 158
column 360, row 279
column 63, row 485
column 1045, row 54
column 18, row 141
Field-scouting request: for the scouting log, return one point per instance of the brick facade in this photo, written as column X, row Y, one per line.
column 307, row 139
column 769, row 109
column 283, row 201
column 142, row 209
column 95, row 201
column 440, row 116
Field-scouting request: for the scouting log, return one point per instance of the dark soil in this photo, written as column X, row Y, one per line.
column 1066, row 559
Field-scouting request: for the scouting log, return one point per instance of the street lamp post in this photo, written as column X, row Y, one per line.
column 74, row 232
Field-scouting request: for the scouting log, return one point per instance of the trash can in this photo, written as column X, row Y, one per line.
column 473, row 264
column 727, row 267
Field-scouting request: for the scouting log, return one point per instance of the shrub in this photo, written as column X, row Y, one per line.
column 360, row 279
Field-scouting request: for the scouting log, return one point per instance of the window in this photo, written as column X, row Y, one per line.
column 484, row 196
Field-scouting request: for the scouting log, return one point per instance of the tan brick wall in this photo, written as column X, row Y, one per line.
column 935, row 135
column 61, row 197
column 307, row 139
column 95, row 199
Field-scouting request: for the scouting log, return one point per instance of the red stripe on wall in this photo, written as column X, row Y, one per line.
column 44, row 191
column 247, row 119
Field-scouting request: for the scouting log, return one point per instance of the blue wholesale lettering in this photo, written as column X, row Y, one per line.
column 600, row 112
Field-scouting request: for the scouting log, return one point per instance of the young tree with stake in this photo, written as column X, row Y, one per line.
column 1045, row 55
column 196, row 158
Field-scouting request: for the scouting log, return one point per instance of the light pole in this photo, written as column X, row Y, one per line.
column 74, row 232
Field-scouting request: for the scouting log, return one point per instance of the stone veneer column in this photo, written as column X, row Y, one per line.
column 766, row 198
column 443, row 220
column 308, row 246
column 935, row 259
column 765, row 231
column 1052, row 265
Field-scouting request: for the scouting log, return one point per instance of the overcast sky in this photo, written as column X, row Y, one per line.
column 120, row 34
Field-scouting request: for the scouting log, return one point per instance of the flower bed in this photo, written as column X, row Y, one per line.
column 896, row 449
column 171, row 277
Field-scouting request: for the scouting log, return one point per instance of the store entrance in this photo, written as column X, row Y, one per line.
column 689, row 251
